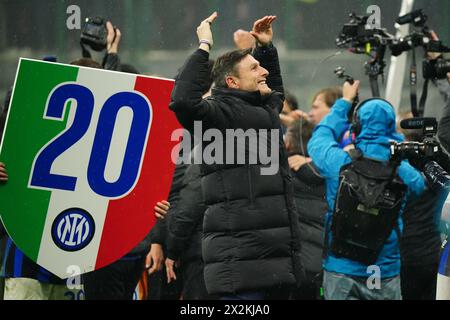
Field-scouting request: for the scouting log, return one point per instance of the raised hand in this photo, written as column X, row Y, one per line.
column 244, row 40
column 204, row 32
column 113, row 38
column 350, row 91
column 262, row 30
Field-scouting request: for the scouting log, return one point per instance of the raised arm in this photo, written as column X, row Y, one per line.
column 187, row 101
column 266, row 53
column 324, row 147
column 111, row 61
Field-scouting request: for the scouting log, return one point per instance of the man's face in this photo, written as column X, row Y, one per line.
column 251, row 76
column 319, row 109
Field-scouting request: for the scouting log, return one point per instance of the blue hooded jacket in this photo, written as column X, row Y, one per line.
column 377, row 120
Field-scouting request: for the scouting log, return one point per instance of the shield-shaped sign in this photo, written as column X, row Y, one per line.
column 88, row 154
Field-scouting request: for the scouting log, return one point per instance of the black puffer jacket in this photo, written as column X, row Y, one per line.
column 421, row 240
column 185, row 223
column 159, row 232
column 309, row 192
column 250, row 230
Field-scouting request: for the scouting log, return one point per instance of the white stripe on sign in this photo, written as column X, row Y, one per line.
column 118, row 145
column 443, row 287
column 74, row 162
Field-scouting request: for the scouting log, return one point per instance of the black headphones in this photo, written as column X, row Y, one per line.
column 356, row 123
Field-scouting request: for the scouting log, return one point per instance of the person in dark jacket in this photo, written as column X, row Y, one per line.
column 159, row 288
column 184, row 237
column 309, row 192
column 251, row 246
column 185, row 227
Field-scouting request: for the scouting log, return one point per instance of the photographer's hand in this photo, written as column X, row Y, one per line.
column 350, row 91
column 433, row 55
column 204, row 33
column 113, row 39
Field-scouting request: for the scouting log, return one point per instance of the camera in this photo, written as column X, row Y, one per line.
column 94, row 33
column 398, row 46
column 416, row 39
column 412, row 150
column 427, row 155
column 416, row 17
column 431, row 69
column 357, row 37
column 436, row 69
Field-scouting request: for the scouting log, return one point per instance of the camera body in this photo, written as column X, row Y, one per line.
column 357, row 37
column 412, row 150
column 94, row 33
column 416, row 17
column 427, row 155
column 416, row 39
column 436, row 69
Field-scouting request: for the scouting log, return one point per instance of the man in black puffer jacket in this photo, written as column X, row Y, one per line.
column 251, row 246
column 309, row 191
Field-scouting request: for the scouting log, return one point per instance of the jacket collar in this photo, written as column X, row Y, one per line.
column 253, row 98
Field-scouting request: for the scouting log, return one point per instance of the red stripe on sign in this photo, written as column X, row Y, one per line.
column 130, row 219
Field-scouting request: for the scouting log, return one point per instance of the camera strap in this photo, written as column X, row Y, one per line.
column 413, row 84
column 423, row 98
column 417, row 112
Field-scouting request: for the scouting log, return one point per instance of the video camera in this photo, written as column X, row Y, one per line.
column 357, row 37
column 427, row 155
column 94, row 33
column 437, row 69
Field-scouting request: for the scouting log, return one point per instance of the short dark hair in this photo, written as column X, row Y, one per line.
column 291, row 100
column 226, row 65
column 330, row 95
column 87, row 62
column 128, row 68
column 300, row 132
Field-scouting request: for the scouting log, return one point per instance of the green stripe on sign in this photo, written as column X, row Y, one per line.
column 24, row 210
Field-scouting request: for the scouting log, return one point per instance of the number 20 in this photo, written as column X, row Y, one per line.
column 41, row 176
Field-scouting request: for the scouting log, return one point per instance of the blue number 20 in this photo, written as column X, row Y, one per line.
column 41, row 176
column 133, row 151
